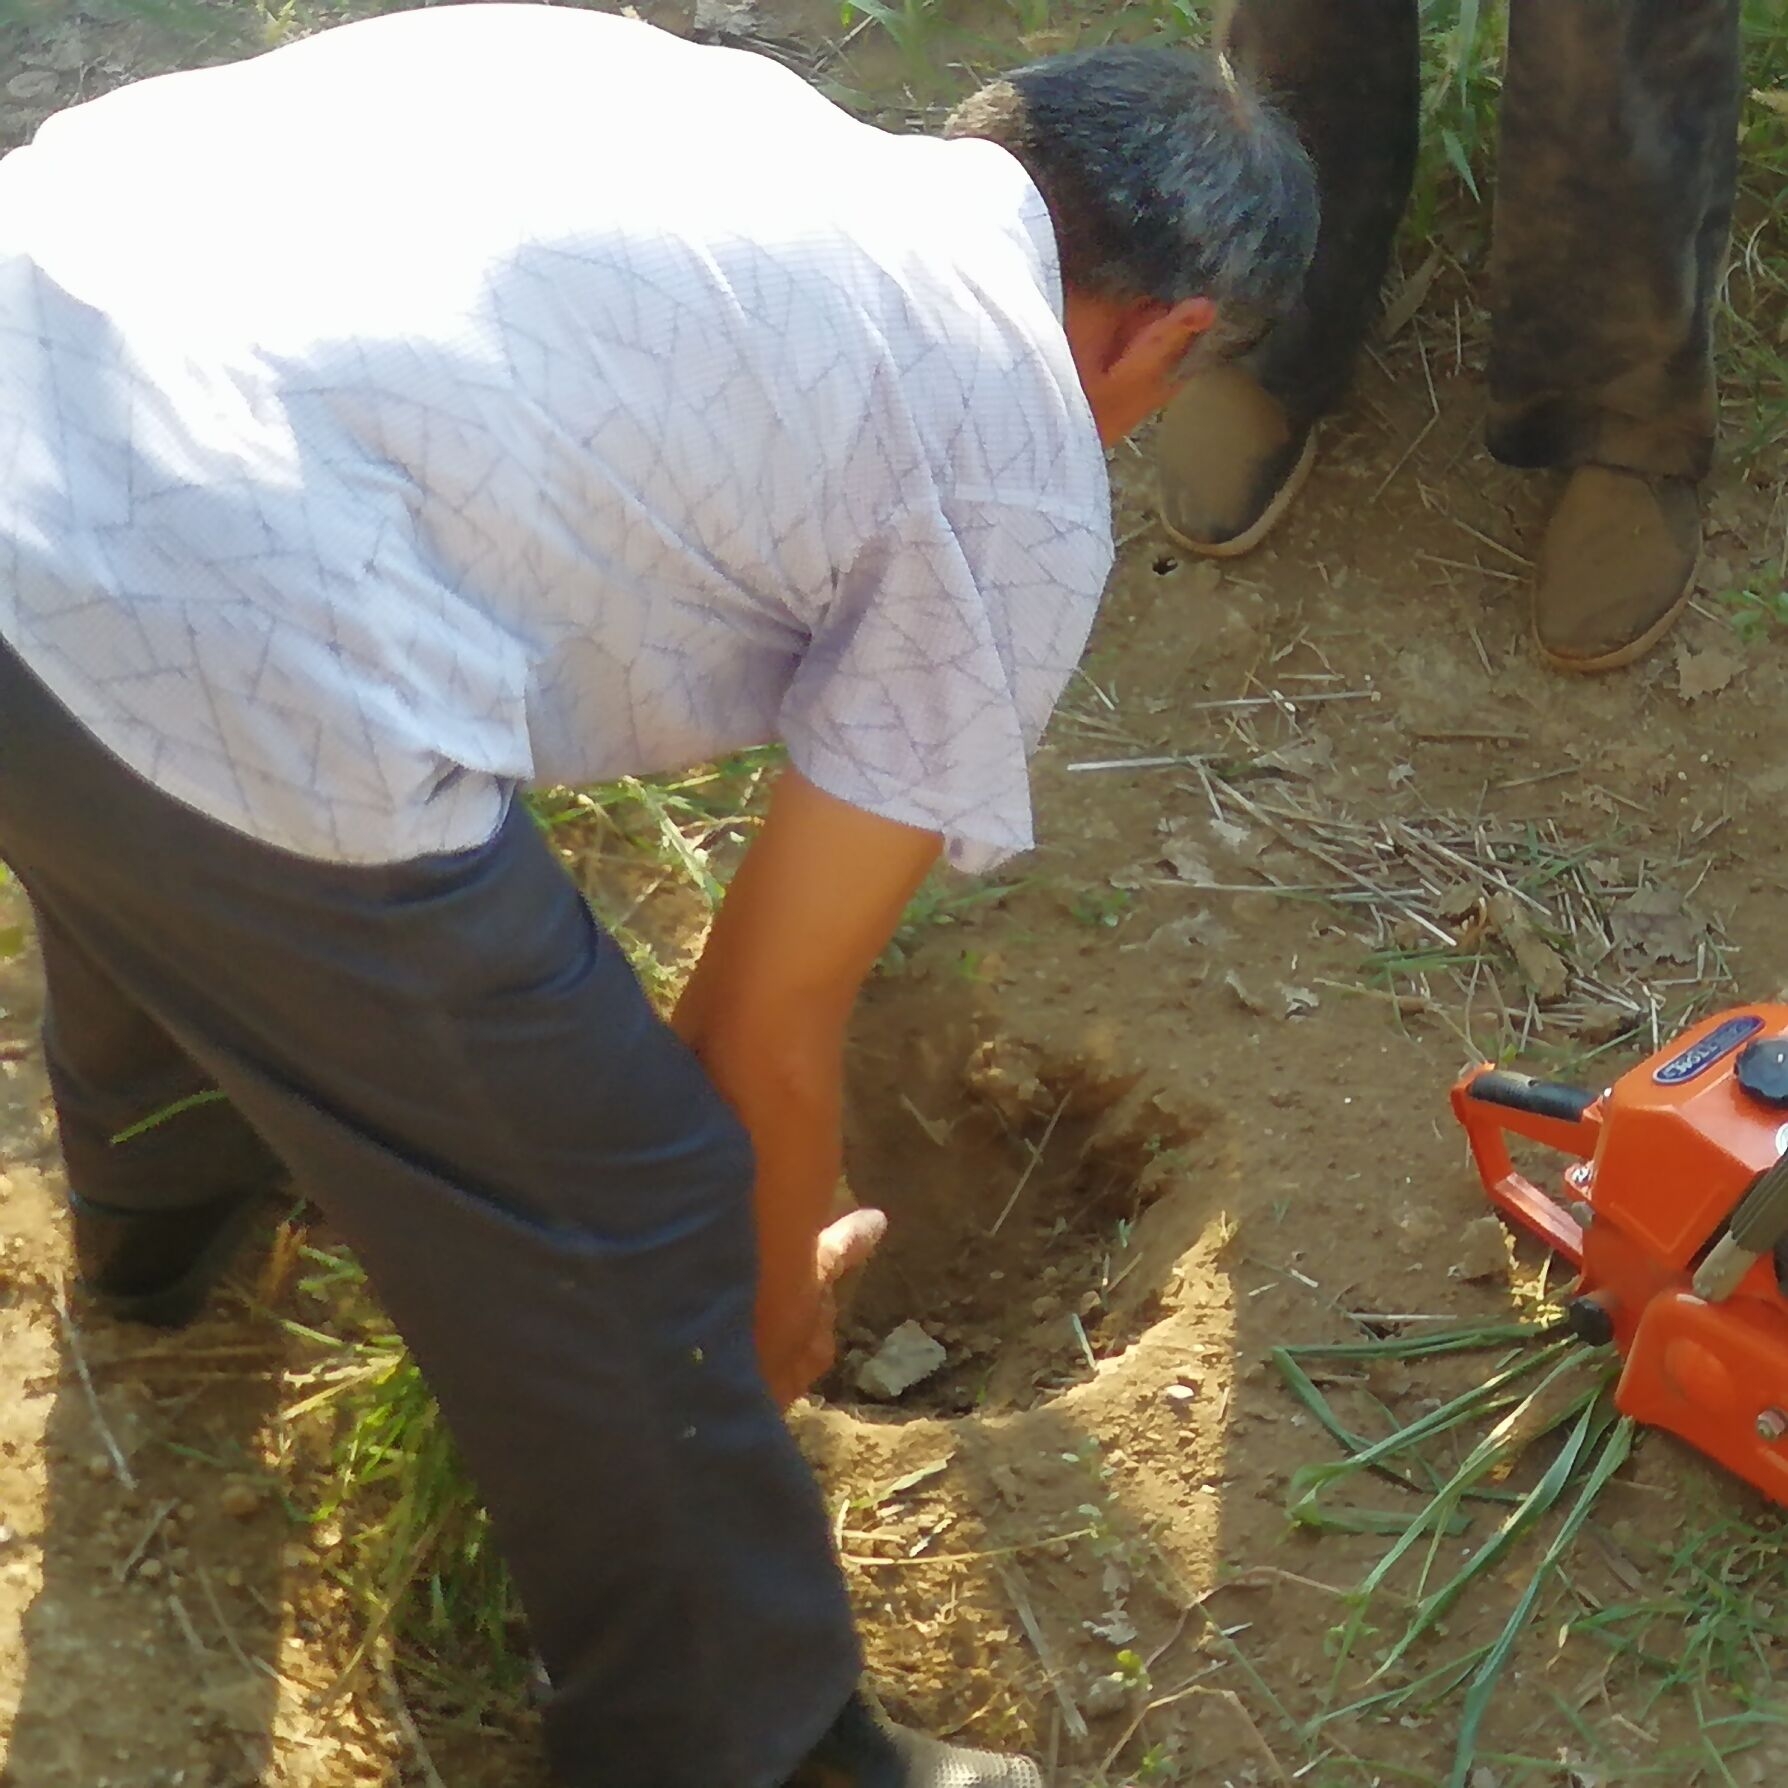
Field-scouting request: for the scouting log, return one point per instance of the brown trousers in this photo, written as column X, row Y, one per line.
column 1615, row 182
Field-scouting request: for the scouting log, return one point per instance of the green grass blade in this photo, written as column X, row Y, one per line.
column 1592, row 1420
column 1433, row 1341
column 1308, row 1483
column 211, row 1096
column 1615, row 1449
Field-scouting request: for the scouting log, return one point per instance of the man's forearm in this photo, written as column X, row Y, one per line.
column 810, row 908
column 787, row 1091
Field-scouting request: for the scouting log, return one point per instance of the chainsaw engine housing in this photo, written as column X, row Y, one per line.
column 1662, row 1162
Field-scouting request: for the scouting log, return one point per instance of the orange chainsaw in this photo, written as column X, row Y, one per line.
column 1675, row 1213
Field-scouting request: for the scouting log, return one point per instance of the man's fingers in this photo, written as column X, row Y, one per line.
column 847, row 1244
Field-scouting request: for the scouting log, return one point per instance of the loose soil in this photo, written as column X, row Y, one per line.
column 1122, row 1165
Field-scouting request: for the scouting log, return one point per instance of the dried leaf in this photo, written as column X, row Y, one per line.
column 1115, row 1628
column 1706, row 672
column 1459, row 901
column 1185, row 859
column 1298, row 757
column 1402, row 309
column 1653, row 923
column 1545, row 972
column 1241, row 841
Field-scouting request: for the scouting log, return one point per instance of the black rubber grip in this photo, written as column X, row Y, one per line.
column 1543, row 1098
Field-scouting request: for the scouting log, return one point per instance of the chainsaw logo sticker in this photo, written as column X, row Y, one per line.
column 1699, row 1057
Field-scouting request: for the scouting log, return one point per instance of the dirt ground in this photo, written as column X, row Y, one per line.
column 1138, row 1119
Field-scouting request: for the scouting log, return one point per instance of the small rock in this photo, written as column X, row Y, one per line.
column 1483, row 1777
column 1483, row 1251
column 150, row 1569
column 1179, row 1398
column 906, row 1358
column 239, row 1499
column 98, row 1467
column 1045, row 1307
column 1104, row 1695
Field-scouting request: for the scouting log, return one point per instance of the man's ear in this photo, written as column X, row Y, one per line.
column 1156, row 349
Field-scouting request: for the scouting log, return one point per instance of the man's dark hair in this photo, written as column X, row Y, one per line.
column 1166, row 177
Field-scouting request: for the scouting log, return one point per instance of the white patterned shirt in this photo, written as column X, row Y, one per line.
column 502, row 395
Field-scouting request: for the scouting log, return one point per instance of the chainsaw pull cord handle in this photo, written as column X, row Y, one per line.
column 1760, row 1221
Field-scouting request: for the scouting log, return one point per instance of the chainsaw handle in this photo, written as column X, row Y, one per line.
column 1490, row 1103
column 1760, row 1221
column 1488, row 1100
column 1538, row 1098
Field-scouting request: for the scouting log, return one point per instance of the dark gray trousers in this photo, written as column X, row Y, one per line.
column 1615, row 178
column 457, row 1065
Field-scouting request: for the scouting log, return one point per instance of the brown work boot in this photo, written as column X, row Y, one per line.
column 1229, row 461
column 1615, row 567
column 863, row 1749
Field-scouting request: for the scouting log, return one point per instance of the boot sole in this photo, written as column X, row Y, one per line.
column 1634, row 649
column 1269, row 518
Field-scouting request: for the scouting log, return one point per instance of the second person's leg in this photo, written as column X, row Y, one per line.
column 1614, row 200
column 1233, row 448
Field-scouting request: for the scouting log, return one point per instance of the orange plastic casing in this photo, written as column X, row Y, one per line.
column 1661, row 1159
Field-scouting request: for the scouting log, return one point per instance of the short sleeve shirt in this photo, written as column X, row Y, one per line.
column 504, row 395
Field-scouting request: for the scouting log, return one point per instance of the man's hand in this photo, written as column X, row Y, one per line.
column 810, row 909
column 843, row 1247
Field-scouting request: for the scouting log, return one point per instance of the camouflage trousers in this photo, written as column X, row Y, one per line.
column 1615, row 177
